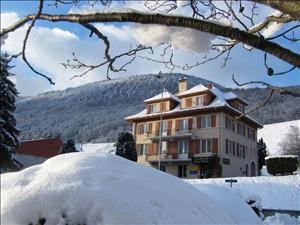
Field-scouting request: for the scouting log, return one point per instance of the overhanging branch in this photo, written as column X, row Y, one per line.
column 170, row 20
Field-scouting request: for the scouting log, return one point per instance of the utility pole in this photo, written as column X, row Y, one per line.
column 160, row 121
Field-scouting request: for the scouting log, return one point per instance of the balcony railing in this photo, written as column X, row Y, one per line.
column 169, row 134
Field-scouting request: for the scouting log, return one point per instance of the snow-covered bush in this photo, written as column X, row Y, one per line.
column 282, row 164
column 97, row 188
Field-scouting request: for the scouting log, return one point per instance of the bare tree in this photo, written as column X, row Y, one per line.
column 290, row 145
column 205, row 16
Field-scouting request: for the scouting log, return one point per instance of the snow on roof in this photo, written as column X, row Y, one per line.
column 196, row 89
column 99, row 188
column 219, row 101
column 231, row 95
column 163, row 95
column 281, row 156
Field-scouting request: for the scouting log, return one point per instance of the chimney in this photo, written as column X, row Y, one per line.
column 182, row 85
column 209, row 86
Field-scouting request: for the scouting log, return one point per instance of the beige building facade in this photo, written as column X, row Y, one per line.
column 199, row 134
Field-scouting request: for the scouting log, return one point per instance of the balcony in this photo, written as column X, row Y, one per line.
column 170, row 134
column 169, row 158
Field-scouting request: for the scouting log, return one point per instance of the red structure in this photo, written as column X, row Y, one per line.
column 46, row 148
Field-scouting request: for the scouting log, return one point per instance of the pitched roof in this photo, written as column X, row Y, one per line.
column 219, row 101
column 162, row 95
column 198, row 88
column 230, row 95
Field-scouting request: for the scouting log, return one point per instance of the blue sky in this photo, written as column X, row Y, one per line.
column 52, row 43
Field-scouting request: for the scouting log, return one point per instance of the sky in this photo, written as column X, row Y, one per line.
column 51, row 44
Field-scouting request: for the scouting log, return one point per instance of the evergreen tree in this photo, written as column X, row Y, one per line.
column 126, row 146
column 261, row 153
column 8, row 131
column 68, row 147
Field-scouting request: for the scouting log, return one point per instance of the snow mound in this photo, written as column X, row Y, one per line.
column 276, row 192
column 281, row 219
column 100, row 188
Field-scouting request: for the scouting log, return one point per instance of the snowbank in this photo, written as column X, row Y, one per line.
column 280, row 192
column 281, row 219
column 99, row 147
column 98, row 188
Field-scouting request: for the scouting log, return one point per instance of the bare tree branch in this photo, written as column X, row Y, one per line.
column 170, row 20
column 273, row 89
column 25, row 42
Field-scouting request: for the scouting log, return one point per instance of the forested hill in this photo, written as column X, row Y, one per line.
column 95, row 112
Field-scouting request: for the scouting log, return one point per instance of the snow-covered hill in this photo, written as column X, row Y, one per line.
column 95, row 112
column 274, row 133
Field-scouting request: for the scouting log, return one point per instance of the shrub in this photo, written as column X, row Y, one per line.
column 282, row 165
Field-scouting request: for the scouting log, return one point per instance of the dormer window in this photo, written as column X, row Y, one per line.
column 199, row 100
column 153, row 108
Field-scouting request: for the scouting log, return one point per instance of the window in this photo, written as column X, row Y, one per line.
column 206, row 121
column 143, row 128
column 183, row 147
column 143, row 149
column 229, row 123
column 229, row 147
column 206, row 145
column 241, row 129
column 199, row 100
column 184, row 125
column 153, row 108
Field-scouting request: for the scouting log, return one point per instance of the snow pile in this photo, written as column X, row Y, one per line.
column 97, row 188
column 281, row 219
column 99, row 147
column 274, row 133
column 281, row 192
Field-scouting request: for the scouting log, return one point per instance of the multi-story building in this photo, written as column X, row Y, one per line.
column 200, row 134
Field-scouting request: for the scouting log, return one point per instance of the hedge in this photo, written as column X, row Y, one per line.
column 282, row 165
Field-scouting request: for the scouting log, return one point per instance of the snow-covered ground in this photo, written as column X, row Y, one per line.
column 274, row 133
column 97, row 147
column 281, row 219
column 280, row 192
column 100, row 188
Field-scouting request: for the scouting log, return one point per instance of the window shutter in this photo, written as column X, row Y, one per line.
column 157, row 128
column 215, row 145
column 177, row 125
column 199, row 125
column 190, row 122
column 188, row 102
column 148, row 109
column 226, row 146
column 233, row 150
column 213, row 120
column 197, row 146
column 150, row 128
column 163, row 106
column 169, row 131
column 138, row 146
column 205, row 99
column 154, row 148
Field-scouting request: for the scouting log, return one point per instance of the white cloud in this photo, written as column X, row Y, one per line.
column 121, row 33
column 180, row 38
